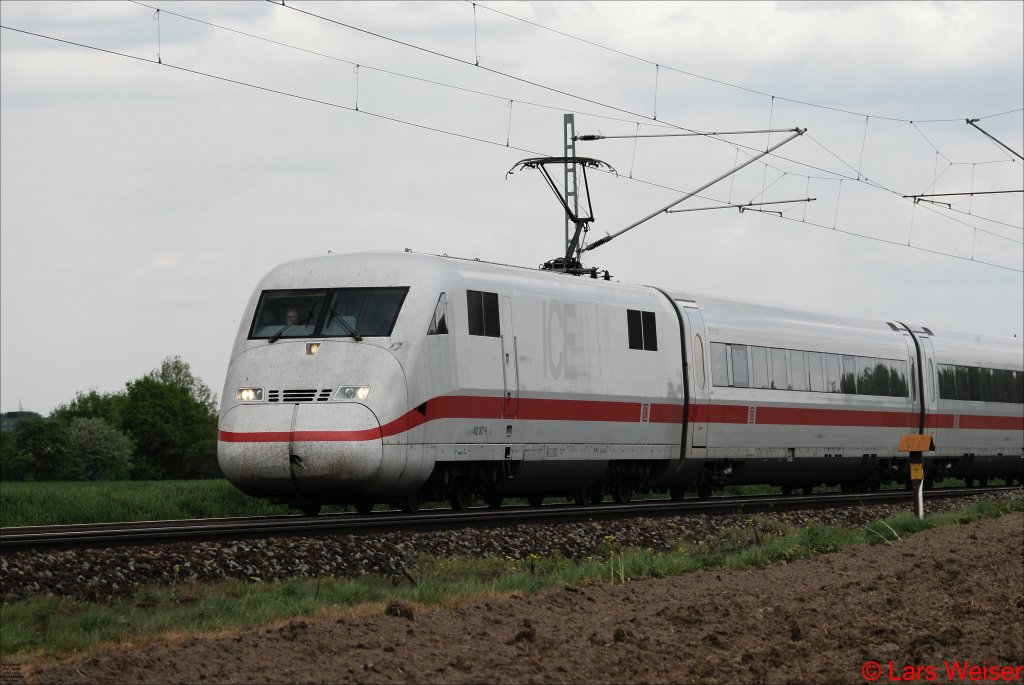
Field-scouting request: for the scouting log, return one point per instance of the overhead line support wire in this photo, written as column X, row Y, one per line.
column 739, row 206
column 609, row 238
column 594, row 136
column 974, row 123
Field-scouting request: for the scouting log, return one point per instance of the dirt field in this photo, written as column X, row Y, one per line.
column 951, row 594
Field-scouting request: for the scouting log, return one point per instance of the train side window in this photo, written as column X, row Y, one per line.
column 759, row 367
column 848, row 382
column 798, row 369
column 698, row 361
column 962, row 383
column 719, row 365
column 973, row 383
column 898, row 378
column 439, row 322
column 483, row 313
column 780, row 379
column 650, row 332
column 815, row 371
column 739, row 366
column 833, row 372
column 642, row 330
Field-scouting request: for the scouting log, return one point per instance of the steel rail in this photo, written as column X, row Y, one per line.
column 143, row 533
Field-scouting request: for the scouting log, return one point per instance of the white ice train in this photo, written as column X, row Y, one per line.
column 397, row 377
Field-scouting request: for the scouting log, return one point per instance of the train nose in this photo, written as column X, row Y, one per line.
column 306, row 447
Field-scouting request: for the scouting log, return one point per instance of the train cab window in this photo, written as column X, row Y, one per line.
column 719, row 365
column 287, row 313
column 759, row 367
column 739, row 366
column 484, row 318
column 364, row 312
column 439, row 322
column 642, row 330
column 340, row 312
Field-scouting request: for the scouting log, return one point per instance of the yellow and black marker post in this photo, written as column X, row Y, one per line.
column 917, row 445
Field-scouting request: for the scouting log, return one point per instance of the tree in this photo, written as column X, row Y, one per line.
column 93, row 404
column 171, row 416
column 43, row 444
column 98, row 451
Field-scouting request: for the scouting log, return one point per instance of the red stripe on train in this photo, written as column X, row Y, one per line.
column 530, row 409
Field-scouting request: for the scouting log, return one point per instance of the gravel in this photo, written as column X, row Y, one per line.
column 103, row 574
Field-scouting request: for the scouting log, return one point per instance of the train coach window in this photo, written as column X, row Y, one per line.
column 759, row 367
column 816, row 371
column 780, row 377
column 719, row 365
column 980, row 384
column 739, row 366
column 642, row 330
column 798, row 369
column 898, row 386
column 833, row 372
column 484, row 318
column 848, row 381
column 439, row 322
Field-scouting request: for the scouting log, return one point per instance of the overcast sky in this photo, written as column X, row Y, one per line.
column 142, row 200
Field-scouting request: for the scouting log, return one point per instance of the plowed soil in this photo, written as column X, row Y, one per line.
column 954, row 594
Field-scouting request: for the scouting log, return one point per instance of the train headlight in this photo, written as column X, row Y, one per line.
column 249, row 395
column 352, row 392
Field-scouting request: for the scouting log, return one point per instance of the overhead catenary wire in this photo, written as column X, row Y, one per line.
column 419, row 126
column 753, row 91
column 710, row 136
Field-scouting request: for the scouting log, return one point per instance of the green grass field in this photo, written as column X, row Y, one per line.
column 57, row 503
column 50, row 626
column 67, row 502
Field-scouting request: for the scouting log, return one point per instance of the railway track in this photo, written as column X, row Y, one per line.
column 152, row 532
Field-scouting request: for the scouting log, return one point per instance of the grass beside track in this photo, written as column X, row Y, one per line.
column 50, row 626
column 68, row 502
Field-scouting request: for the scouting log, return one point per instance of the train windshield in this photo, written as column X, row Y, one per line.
column 340, row 312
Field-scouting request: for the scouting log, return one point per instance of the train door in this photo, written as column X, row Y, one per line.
column 929, row 388
column 510, row 362
column 695, row 348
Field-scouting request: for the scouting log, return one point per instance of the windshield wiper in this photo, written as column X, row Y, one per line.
column 277, row 336
column 352, row 332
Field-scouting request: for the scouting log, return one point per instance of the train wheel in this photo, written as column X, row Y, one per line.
column 677, row 492
column 968, row 482
column 411, row 503
column 787, row 490
column 535, row 500
column 983, row 482
column 808, row 489
column 621, row 492
column 494, row 501
column 310, row 509
column 461, row 495
column 364, row 507
column 704, row 490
